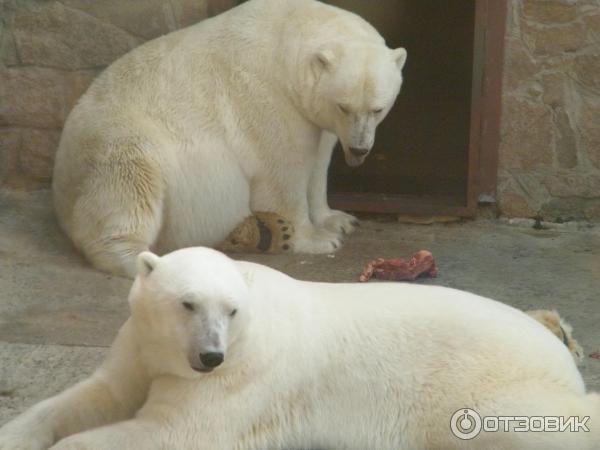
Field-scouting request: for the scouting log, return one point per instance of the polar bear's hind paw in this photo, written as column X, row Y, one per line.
column 263, row 232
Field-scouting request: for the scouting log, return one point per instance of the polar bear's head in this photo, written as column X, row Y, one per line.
column 354, row 86
column 188, row 308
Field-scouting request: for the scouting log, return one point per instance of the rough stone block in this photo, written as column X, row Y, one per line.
column 10, row 145
column 553, row 41
column 76, row 85
column 550, row 11
column 586, row 69
column 145, row 19
column 566, row 142
column 526, row 136
column 592, row 24
column 589, row 118
column 8, row 51
column 514, row 205
column 218, row 6
column 520, row 193
column 566, row 184
column 592, row 212
column 519, row 67
column 572, row 208
column 555, row 86
column 50, row 34
column 188, row 12
column 37, row 152
column 32, row 97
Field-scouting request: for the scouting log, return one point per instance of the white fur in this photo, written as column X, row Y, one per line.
column 309, row 365
column 179, row 140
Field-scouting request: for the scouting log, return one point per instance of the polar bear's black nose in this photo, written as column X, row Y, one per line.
column 359, row 151
column 211, row 359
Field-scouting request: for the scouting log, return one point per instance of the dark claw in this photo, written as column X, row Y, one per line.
column 286, row 237
column 286, row 247
column 284, row 229
column 335, row 245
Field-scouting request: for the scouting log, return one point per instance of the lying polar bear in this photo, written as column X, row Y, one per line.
column 177, row 142
column 222, row 355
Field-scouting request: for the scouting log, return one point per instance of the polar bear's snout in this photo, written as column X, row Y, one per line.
column 207, row 362
column 360, row 138
column 212, row 359
column 209, row 339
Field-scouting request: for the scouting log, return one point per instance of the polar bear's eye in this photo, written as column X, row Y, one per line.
column 233, row 313
column 189, row 306
column 378, row 111
column 343, row 109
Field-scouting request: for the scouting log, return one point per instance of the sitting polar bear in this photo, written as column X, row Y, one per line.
column 221, row 354
column 180, row 140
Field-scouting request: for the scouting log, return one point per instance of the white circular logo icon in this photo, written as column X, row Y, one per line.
column 465, row 424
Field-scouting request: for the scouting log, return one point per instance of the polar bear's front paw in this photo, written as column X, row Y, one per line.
column 264, row 232
column 315, row 240
column 340, row 222
column 25, row 433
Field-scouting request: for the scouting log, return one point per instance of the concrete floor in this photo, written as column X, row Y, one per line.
column 58, row 315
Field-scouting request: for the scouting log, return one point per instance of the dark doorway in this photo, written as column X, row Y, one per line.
column 423, row 158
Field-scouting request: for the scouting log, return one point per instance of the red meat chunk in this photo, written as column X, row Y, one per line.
column 421, row 264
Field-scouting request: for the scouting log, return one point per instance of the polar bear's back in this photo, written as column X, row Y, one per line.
column 417, row 353
column 454, row 328
column 429, row 329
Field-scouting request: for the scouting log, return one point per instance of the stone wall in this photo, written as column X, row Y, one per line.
column 50, row 51
column 550, row 151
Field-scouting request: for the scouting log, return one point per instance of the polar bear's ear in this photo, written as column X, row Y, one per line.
column 146, row 262
column 400, row 57
column 324, row 59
